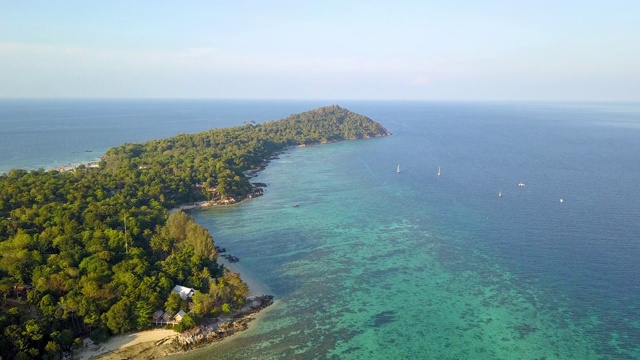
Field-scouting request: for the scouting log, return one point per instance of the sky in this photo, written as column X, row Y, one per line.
column 377, row 50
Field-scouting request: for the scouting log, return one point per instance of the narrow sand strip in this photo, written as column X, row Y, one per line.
column 91, row 351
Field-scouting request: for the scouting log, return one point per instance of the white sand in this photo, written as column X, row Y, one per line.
column 91, row 351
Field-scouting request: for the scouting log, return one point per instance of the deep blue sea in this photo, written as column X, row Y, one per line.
column 383, row 265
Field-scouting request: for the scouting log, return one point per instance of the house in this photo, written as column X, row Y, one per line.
column 157, row 315
column 184, row 292
column 168, row 317
column 22, row 290
column 179, row 316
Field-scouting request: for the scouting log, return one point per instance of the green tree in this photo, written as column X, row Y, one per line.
column 177, row 225
column 118, row 318
column 203, row 304
column 226, row 308
column 200, row 240
column 143, row 313
column 53, row 350
column 173, row 302
column 64, row 338
column 189, row 321
column 63, row 232
column 6, row 284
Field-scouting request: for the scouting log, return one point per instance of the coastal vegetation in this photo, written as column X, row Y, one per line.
column 96, row 251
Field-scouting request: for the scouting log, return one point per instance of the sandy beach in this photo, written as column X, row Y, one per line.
column 154, row 344
column 151, row 339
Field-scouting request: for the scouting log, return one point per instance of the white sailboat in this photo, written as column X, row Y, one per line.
column 438, row 170
column 398, row 169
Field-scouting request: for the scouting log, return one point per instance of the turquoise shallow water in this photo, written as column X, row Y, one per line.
column 359, row 276
column 379, row 265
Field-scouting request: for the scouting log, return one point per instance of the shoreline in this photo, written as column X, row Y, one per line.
column 199, row 350
column 256, row 287
column 152, row 338
column 161, row 342
column 258, row 187
column 232, row 321
column 149, row 347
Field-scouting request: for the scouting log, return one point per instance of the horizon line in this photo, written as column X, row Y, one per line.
column 314, row 99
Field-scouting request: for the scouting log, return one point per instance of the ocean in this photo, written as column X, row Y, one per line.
column 378, row 264
column 51, row 132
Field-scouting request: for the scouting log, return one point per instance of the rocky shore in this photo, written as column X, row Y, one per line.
column 221, row 328
column 157, row 344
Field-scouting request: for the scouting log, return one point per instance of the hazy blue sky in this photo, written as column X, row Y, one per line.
column 453, row 50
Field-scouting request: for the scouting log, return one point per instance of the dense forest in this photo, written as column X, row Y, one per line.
column 95, row 251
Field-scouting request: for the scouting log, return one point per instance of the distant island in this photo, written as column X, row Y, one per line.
column 95, row 250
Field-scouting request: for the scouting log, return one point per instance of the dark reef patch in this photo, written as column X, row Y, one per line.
column 383, row 318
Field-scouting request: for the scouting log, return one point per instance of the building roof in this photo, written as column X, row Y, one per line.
column 158, row 314
column 180, row 315
column 167, row 316
column 184, row 292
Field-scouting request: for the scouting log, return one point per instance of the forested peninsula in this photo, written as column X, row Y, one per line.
column 96, row 252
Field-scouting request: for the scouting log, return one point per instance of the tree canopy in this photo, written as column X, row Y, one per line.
column 95, row 251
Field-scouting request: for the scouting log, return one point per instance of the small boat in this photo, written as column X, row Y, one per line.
column 398, row 169
column 296, row 205
column 500, row 193
column 438, row 170
column 521, row 184
column 561, row 200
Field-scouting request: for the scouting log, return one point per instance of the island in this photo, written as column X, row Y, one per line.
column 97, row 251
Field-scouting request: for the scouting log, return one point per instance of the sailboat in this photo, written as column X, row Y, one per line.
column 500, row 193
column 438, row 170
column 398, row 170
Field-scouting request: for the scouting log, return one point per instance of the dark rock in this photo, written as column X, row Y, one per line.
column 215, row 331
